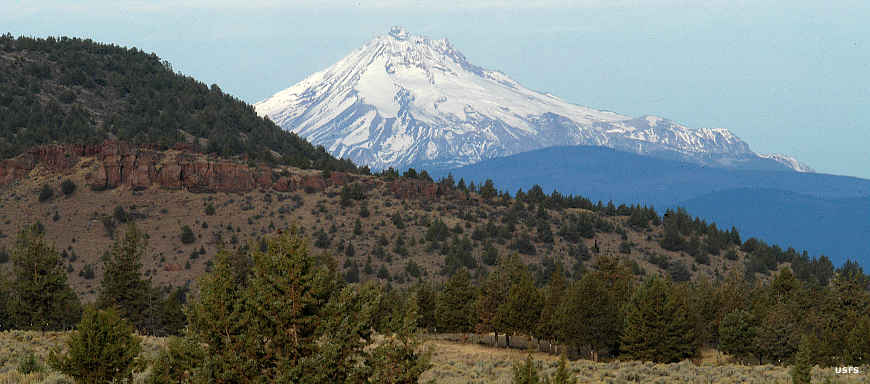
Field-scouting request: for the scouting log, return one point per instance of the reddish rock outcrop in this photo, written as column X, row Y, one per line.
column 312, row 183
column 415, row 189
column 340, row 178
column 119, row 164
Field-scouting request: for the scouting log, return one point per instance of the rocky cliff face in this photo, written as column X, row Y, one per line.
column 122, row 165
column 115, row 164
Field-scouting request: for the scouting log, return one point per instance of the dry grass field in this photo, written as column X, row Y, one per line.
column 468, row 363
column 453, row 363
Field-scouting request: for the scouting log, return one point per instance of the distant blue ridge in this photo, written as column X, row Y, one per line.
column 820, row 213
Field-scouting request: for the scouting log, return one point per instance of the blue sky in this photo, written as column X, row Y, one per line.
column 789, row 77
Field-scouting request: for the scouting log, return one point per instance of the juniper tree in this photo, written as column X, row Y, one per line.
column 40, row 297
column 563, row 374
column 122, row 286
column 590, row 317
column 494, row 293
column 526, row 372
column 737, row 334
column 549, row 324
column 397, row 360
column 801, row 371
column 455, row 304
column 426, row 298
column 657, row 324
column 176, row 363
column 778, row 334
column 520, row 311
column 102, row 350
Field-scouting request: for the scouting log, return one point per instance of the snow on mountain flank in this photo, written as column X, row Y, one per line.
column 403, row 99
column 789, row 161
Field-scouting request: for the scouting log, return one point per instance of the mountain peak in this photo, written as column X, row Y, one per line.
column 404, row 99
column 399, row 33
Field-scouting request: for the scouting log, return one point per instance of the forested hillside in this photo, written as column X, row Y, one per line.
column 69, row 90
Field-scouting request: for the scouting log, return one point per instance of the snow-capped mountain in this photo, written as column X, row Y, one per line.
column 405, row 100
column 790, row 162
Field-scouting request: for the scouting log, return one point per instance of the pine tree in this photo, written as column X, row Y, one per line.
column 778, row 337
column 736, row 334
column 455, row 305
column 527, row 371
column 563, row 374
column 657, row 324
column 487, row 190
column 493, row 292
column 41, row 298
column 102, row 350
column 704, row 309
column 218, row 322
column 426, row 298
column 294, row 322
column 520, row 311
column 590, row 316
column 857, row 351
column 549, row 325
column 123, row 287
column 801, row 371
column 176, row 363
column 396, row 360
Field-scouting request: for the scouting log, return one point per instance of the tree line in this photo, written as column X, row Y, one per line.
column 609, row 312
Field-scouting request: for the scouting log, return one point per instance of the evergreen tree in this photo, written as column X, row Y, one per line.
column 426, row 298
column 493, row 293
column 172, row 318
column 176, row 363
column 454, row 309
column 41, row 298
column 777, row 337
column 563, row 374
column 672, row 240
column 123, row 287
column 294, row 322
column 527, row 371
column 218, row 321
column 396, row 360
column 102, row 350
column 657, row 324
column 736, row 335
column 801, row 371
column 487, row 190
column 857, row 351
column 590, row 316
column 520, row 311
column 549, row 325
